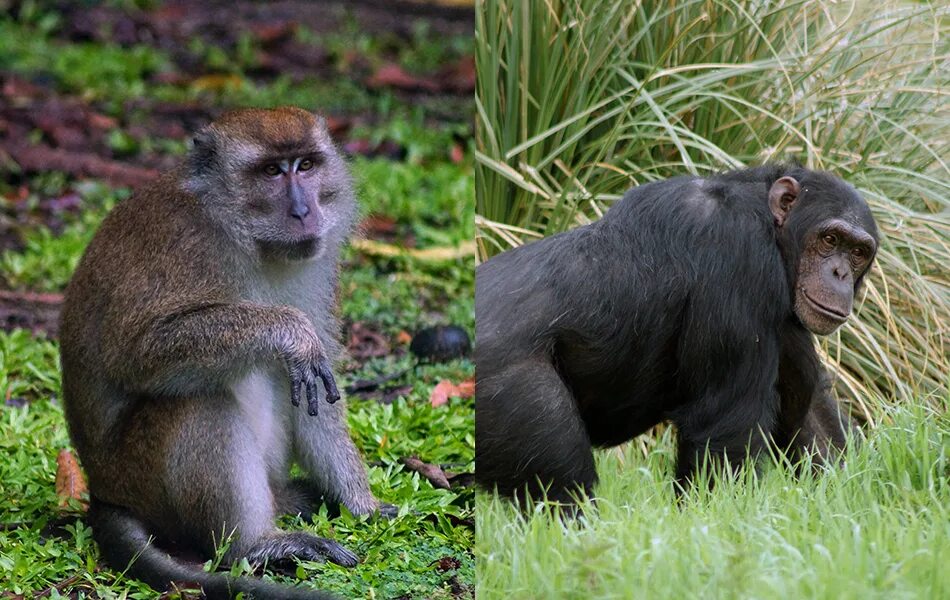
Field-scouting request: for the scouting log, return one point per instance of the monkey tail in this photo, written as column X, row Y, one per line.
column 124, row 540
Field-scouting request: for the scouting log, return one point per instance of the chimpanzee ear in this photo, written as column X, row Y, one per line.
column 783, row 194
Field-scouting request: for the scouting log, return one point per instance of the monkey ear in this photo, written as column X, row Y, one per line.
column 782, row 195
column 322, row 127
column 202, row 151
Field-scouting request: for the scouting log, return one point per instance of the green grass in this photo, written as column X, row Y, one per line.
column 579, row 100
column 878, row 527
column 49, row 546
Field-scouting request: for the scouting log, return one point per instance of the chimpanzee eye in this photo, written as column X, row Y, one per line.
column 272, row 169
column 305, row 165
column 830, row 239
column 859, row 253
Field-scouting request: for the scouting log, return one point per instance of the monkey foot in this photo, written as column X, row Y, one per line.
column 281, row 550
column 324, row 549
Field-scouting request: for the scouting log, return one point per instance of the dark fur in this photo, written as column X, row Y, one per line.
column 677, row 305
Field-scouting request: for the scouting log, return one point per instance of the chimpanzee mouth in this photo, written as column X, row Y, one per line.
column 831, row 313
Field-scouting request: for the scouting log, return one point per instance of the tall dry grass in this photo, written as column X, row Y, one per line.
column 579, row 100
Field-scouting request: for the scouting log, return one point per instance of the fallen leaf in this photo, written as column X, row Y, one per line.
column 403, row 337
column 272, row 34
column 14, row 87
column 365, row 343
column 445, row 389
column 376, row 225
column 217, row 82
column 435, row 254
column 42, row 158
column 456, row 154
column 433, row 473
column 392, row 75
column 466, row 388
column 70, row 482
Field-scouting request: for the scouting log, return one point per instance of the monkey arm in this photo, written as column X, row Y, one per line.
column 205, row 347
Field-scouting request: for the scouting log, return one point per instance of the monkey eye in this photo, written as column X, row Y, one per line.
column 830, row 239
column 859, row 253
column 272, row 169
column 305, row 165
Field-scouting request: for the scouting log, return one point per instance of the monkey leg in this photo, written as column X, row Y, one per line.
column 331, row 461
column 530, row 438
column 218, row 488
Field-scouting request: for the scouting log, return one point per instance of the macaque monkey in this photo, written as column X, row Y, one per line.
column 200, row 315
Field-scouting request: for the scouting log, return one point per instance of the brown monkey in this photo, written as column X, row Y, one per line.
column 201, row 308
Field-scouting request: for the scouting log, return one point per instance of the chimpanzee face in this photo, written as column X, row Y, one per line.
column 835, row 256
column 834, row 239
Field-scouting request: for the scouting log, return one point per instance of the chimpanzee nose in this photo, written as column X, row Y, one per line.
column 841, row 270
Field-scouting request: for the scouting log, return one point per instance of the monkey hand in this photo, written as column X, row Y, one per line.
column 305, row 366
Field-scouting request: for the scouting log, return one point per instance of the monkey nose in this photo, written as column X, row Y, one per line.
column 299, row 211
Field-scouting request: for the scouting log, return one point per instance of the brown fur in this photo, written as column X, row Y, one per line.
column 176, row 334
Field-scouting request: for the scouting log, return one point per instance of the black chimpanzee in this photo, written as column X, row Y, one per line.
column 693, row 300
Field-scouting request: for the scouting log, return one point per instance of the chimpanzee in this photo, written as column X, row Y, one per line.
column 692, row 300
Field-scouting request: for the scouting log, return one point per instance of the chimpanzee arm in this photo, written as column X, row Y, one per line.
column 810, row 419
column 730, row 402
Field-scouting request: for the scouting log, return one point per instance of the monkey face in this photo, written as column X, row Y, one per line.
column 283, row 177
column 286, row 204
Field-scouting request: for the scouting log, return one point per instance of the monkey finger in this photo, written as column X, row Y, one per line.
column 313, row 397
column 336, row 553
column 325, row 373
column 294, row 387
column 388, row 511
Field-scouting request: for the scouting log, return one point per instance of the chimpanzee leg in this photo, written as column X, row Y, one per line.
column 530, row 435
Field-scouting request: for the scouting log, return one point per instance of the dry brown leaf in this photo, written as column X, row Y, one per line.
column 70, row 482
column 445, row 389
column 365, row 343
column 456, row 153
column 439, row 253
column 217, row 82
column 42, row 158
column 392, row 75
column 433, row 473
